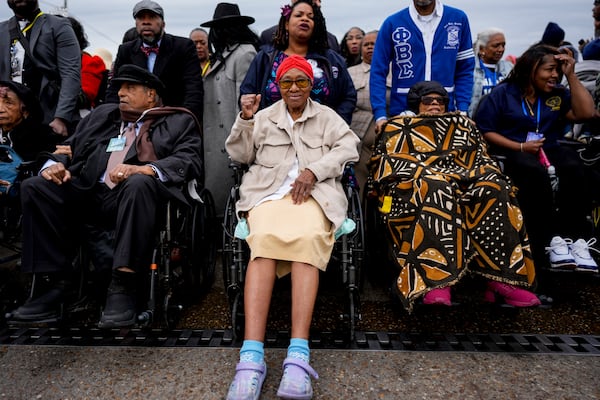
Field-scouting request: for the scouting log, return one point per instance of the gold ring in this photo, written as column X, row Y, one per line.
column 120, row 174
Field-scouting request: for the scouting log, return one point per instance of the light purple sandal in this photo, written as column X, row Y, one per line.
column 295, row 382
column 248, row 381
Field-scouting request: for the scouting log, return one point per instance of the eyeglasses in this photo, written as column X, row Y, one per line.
column 302, row 83
column 428, row 100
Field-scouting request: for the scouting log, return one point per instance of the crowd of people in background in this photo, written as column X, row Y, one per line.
column 59, row 103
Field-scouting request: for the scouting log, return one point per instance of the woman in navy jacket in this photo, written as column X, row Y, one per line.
column 302, row 31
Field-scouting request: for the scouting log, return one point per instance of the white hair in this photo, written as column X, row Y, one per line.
column 483, row 38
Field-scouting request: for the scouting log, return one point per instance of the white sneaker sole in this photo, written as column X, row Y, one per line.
column 570, row 265
column 587, row 269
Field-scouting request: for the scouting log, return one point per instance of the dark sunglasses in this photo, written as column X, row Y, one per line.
column 428, row 100
column 302, row 83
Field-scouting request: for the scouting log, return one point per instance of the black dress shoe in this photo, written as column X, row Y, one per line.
column 120, row 309
column 46, row 307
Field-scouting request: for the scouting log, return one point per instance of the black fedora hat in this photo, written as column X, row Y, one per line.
column 228, row 13
column 135, row 74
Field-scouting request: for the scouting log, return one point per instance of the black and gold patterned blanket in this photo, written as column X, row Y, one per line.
column 446, row 206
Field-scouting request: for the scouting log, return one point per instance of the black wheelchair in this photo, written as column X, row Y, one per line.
column 12, row 284
column 348, row 255
column 182, row 267
column 183, row 261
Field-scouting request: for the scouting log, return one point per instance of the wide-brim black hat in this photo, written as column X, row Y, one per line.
column 229, row 14
column 135, row 74
column 26, row 95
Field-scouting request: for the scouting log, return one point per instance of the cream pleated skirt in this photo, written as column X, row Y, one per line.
column 287, row 232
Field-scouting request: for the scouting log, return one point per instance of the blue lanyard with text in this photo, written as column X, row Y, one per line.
column 537, row 124
column 488, row 74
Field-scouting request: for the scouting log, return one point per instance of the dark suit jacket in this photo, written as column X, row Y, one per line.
column 56, row 51
column 176, row 140
column 177, row 67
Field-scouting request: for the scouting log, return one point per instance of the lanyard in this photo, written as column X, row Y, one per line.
column 488, row 74
column 29, row 26
column 205, row 68
column 530, row 114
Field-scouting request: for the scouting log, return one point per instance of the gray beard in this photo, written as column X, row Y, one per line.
column 152, row 41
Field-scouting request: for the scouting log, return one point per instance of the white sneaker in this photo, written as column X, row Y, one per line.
column 560, row 253
column 581, row 253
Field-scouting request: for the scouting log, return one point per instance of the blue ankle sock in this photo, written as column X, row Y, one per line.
column 252, row 351
column 298, row 348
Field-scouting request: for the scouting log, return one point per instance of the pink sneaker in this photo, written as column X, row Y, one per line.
column 442, row 296
column 512, row 295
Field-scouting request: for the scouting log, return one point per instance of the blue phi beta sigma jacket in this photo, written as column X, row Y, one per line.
column 399, row 45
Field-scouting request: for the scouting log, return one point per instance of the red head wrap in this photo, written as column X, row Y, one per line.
column 294, row 61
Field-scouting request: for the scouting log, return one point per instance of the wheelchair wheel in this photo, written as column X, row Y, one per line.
column 229, row 242
column 237, row 315
column 357, row 238
column 234, row 259
column 191, row 250
column 202, row 242
column 378, row 250
column 354, row 244
column 171, row 311
column 353, row 313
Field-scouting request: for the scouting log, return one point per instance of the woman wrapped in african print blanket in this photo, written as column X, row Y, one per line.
column 447, row 207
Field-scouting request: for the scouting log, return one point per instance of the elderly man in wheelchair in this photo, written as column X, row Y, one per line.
column 128, row 160
column 446, row 207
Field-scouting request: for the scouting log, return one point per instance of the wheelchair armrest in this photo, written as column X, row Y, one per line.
column 238, row 169
column 235, row 165
column 27, row 165
column 499, row 158
column 27, row 169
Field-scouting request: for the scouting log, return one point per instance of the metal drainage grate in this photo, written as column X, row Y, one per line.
column 495, row 343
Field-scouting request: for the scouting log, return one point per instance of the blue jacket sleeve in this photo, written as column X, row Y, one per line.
column 256, row 76
column 380, row 65
column 465, row 63
column 345, row 91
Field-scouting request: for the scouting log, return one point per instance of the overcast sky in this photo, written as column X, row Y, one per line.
column 524, row 21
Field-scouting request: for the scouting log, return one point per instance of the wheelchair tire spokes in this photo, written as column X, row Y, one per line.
column 238, row 316
column 185, row 259
column 203, row 246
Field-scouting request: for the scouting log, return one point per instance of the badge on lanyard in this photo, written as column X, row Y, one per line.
column 534, row 136
column 116, row 144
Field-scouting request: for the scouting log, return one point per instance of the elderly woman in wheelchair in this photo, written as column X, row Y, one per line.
column 446, row 206
column 23, row 137
column 292, row 202
column 22, row 134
